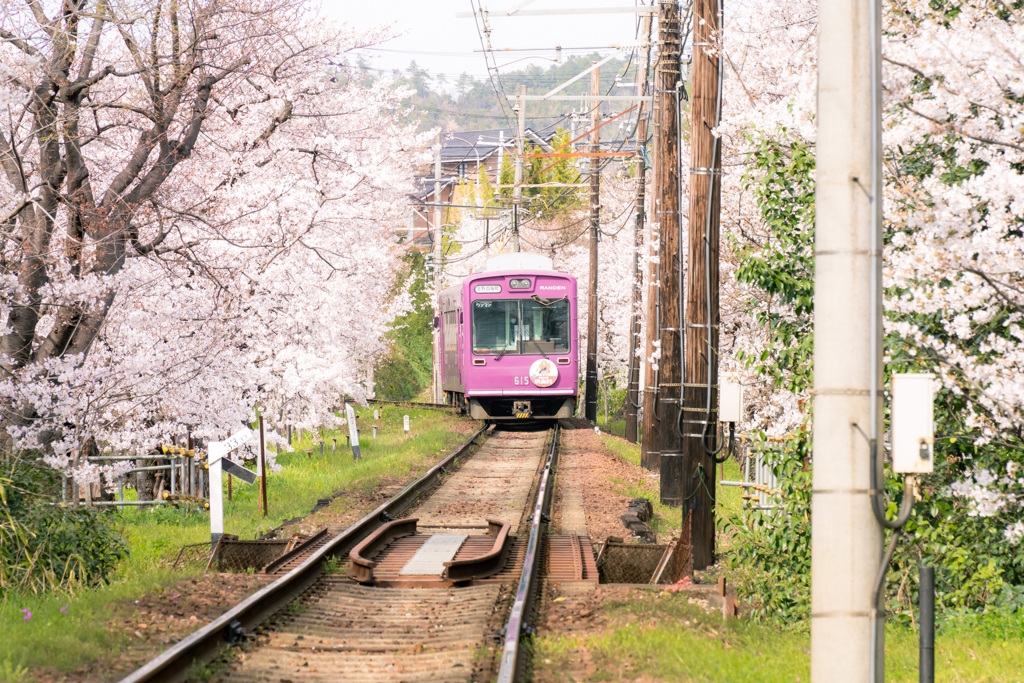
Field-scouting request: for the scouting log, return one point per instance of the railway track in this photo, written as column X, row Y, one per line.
column 411, row 404
column 425, row 597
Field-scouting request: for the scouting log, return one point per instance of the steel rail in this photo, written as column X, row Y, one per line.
column 202, row 645
column 416, row 404
column 514, row 627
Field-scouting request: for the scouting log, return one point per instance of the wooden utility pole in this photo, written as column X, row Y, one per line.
column 667, row 97
column 650, row 439
column 633, row 386
column 263, row 469
column 517, row 188
column 438, row 255
column 700, row 398
column 590, row 411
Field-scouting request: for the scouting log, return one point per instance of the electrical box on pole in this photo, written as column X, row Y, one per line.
column 730, row 402
column 913, row 429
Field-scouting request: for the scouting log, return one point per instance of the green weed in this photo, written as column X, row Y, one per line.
column 664, row 637
column 12, row 673
column 65, row 632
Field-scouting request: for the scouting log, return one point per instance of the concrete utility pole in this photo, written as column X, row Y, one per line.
column 700, row 377
column 670, row 252
column 438, row 255
column 846, row 541
column 633, row 386
column 590, row 407
column 517, row 189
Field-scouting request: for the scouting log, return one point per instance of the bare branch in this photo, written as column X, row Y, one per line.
column 18, row 43
column 71, row 90
column 285, row 114
column 15, row 211
column 44, row 21
column 11, row 162
column 94, row 40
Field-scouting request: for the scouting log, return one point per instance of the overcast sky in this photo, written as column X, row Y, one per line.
column 443, row 43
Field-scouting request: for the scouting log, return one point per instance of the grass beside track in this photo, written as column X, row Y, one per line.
column 67, row 639
column 662, row 636
column 667, row 520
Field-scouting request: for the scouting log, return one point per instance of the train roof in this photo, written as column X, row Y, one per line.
column 518, row 262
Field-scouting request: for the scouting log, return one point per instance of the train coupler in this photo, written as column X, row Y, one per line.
column 522, row 410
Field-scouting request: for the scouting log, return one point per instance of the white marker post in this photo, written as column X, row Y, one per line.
column 353, row 431
column 406, row 423
column 218, row 450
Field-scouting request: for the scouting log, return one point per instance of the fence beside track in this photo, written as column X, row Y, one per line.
column 186, row 470
column 208, row 641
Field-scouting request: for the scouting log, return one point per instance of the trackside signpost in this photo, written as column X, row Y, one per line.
column 353, row 431
column 220, row 463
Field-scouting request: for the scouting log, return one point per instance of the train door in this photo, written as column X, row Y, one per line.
column 460, row 328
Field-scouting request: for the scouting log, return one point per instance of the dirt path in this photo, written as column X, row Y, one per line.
column 590, row 470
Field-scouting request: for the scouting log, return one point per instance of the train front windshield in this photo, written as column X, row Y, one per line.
column 520, row 326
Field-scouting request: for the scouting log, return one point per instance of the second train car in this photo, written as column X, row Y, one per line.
column 509, row 341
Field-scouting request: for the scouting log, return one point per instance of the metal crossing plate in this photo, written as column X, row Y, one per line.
column 430, row 558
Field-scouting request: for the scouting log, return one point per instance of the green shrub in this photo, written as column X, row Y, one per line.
column 407, row 369
column 774, row 545
column 46, row 546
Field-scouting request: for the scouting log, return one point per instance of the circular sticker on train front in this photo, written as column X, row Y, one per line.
column 543, row 373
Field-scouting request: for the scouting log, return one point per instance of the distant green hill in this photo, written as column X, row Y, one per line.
column 472, row 104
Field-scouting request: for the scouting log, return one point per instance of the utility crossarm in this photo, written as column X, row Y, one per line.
column 590, row 98
column 572, row 142
column 639, row 11
column 570, row 48
column 595, row 65
column 547, row 185
column 465, row 206
column 579, row 154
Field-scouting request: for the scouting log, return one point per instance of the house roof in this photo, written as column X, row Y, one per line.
column 470, row 145
column 424, row 185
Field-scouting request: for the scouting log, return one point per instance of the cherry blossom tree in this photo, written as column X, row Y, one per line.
column 199, row 219
column 952, row 137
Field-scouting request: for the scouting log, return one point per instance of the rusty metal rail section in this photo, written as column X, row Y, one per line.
column 510, row 655
column 207, row 642
column 485, row 565
column 298, row 554
column 361, row 566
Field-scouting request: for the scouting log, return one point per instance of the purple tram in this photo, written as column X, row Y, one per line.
column 509, row 342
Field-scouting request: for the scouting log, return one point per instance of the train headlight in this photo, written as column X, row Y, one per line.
column 519, row 283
